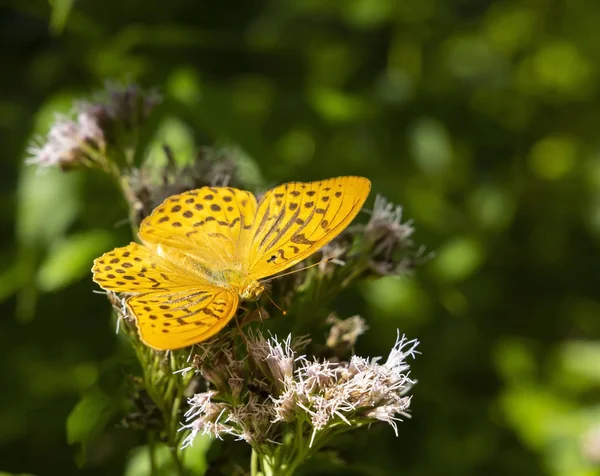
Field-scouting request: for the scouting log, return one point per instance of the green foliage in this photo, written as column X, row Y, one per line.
column 90, row 416
column 60, row 14
column 194, row 460
column 69, row 259
column 480, row 119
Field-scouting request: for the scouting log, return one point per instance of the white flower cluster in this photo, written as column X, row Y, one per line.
column 323, row 393
column 249, row 421
column 388, row 217
column 351, row 393
column 69, row 141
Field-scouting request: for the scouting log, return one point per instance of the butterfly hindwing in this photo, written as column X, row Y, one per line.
column 171, row 320
column 296, row 219
column 173, row 307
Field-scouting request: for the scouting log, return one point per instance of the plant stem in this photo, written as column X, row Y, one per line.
column 254, row 463
column 177, row 461
column 151, row 448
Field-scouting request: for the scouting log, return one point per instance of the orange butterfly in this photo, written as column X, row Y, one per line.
column 205, row 249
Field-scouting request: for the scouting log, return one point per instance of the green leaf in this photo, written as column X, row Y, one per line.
column 216, row 114
column 178, row 136
column 61, row 10
column 71, row 259
column 392, row 297
column 99, row 405
column 531, row 410
column 139, row 461
column 581, row 358
column 337, row 106
column 3, row 473
column 431, row 146
column 48, row 204
column 13, row 278
column 91, row 415
column 459, row 259
column 194, row 459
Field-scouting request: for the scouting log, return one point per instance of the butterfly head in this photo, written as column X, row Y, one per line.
column 252, row 291
column 247, row 288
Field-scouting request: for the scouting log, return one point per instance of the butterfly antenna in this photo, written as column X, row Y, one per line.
column 326, row 260
column 283, row 311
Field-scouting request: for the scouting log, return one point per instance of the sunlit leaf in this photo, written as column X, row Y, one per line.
column 194, row 456
column 139, row 462
column 90, row 416
column 398, row 299
column 184, row 85
column 216, row 115
column 179, row 138
column 48, row 204
column 70, row 259
column 98, row 406
column 459, row 258
column 583, row 359
column 337, row 106
column 515, row 361
column 553, row 157
column 61, row 10
column 493, row 207
column 194, row 459
column 431, row 146
column 531, row 410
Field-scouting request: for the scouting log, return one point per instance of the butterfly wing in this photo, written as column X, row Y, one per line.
column 136, row 269
column 295, row 220
column 173, row 306
column 172, row 320
column 200, row 228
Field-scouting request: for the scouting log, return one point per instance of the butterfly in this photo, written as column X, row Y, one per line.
column 205, row 250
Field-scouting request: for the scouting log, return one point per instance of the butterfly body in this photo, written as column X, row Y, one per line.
column 240, row 283
column 204, row 250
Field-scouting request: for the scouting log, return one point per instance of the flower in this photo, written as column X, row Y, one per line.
column 217, row 364
column 287, row 389
column 275, row 359
column 336, row 252
column 210, row 167
column 386, row 219
column 250, row 421
column 207, row 417
column 82, row 137
column 387, row 234
column 70, row 143
column 127, row 104
column 124, row 107
column 353, row 393
column 344, row 332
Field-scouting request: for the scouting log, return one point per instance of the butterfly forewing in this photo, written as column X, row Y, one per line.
column 296, row 219
column 173, row 320
column 205, row 225
column 136, row 269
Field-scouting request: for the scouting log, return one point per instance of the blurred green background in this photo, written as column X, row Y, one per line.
column 480, row 118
